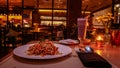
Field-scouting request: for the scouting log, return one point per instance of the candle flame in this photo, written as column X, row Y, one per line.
column 99, row 38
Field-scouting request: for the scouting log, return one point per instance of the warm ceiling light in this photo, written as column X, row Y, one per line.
column 59, row 10
column 86, row 12
column 117, row 5
column 45, row 10
column 51, row 10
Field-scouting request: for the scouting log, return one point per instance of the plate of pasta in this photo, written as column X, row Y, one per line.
column 42, row 50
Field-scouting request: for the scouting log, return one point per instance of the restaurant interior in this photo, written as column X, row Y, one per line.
column 27, row 21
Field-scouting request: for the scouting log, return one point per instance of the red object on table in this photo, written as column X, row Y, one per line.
column 115, row 37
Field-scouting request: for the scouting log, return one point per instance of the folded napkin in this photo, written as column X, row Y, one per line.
column 93, row 60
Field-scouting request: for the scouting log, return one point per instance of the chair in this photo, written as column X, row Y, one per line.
column 12, row 41
column 9, row 40
column 60, row 35
column 12, row 38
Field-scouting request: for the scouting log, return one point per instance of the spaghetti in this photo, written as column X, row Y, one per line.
column 43, row 48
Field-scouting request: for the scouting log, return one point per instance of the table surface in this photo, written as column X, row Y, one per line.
column 70, row 61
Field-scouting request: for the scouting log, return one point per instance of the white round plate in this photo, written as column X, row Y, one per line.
column 21, row 52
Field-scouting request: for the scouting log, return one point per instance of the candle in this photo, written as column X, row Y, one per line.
column 99, row 40
column 99, row 37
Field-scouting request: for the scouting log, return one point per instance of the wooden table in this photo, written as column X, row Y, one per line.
column 70, row 61
column 37, row 34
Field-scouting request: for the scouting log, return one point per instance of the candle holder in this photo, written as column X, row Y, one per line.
column 100, row 41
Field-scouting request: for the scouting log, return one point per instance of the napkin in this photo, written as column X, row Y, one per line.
column 93, row 60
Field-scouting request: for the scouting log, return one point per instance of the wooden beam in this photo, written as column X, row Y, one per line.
column 102, row 8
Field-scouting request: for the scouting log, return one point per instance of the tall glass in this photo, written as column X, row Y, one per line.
column 82, row 27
